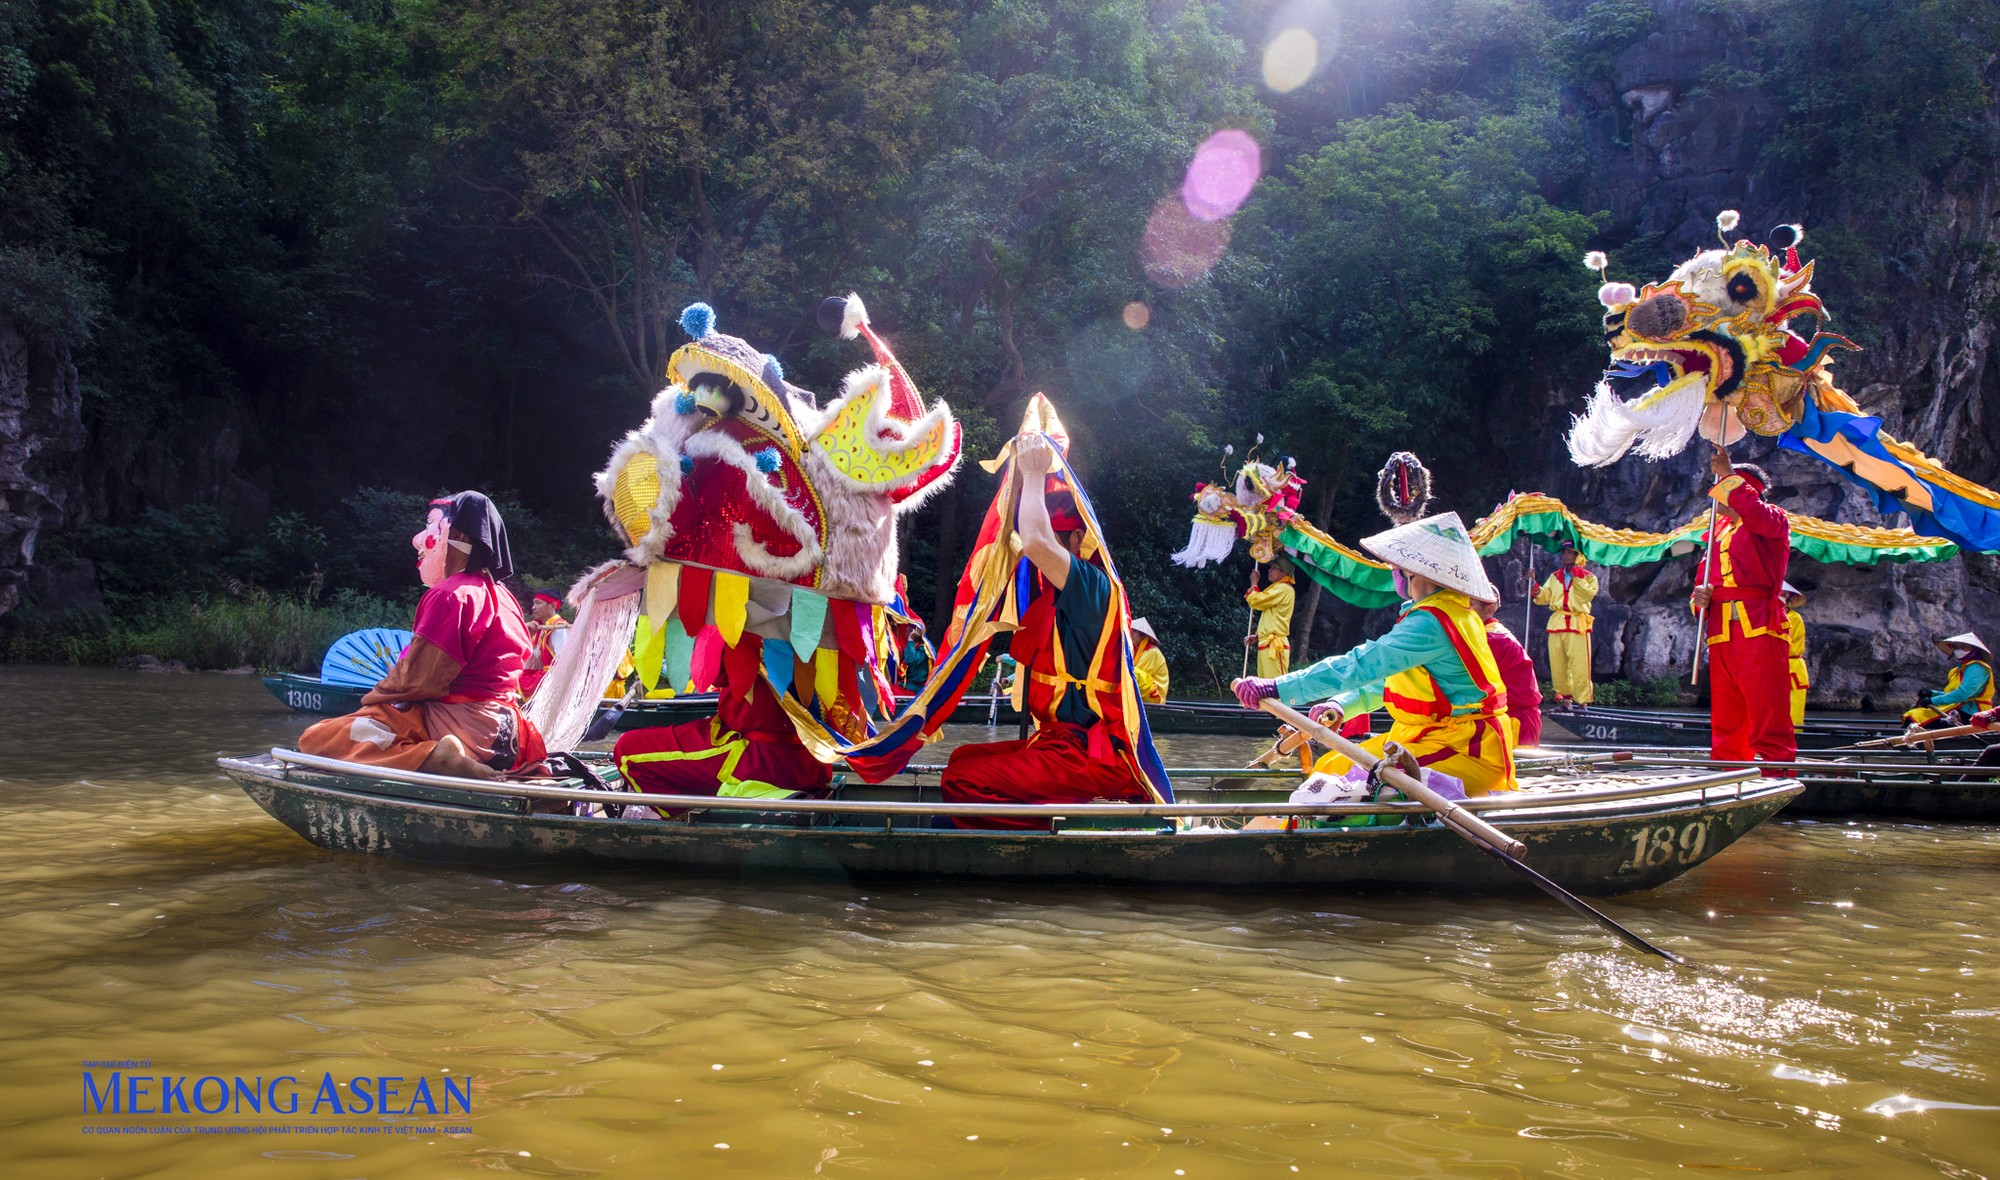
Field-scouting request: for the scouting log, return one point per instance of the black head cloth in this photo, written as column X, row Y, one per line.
column 478, row 520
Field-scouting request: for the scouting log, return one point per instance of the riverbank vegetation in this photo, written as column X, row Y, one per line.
column 302, row 248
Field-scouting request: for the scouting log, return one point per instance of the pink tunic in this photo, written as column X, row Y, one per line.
column 476, row 622
column 1517, row 674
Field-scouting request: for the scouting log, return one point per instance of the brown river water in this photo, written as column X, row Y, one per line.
column 618, row 1024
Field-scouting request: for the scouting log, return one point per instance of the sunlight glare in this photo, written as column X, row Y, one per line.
column 1290, row 59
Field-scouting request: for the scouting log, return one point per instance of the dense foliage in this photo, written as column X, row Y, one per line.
column 302, row 247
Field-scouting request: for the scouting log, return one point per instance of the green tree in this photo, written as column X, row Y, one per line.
column 1408, row 271
column 657, row 152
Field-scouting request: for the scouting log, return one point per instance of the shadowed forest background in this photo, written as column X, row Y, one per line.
column 300, row 266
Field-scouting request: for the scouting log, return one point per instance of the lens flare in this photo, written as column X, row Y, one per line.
column 1137, row 315
column 1178, row 248
column 1290, row 59
column 1220, row 176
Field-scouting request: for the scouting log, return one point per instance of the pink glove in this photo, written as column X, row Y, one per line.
column 1323, row 710
column 1252, row 689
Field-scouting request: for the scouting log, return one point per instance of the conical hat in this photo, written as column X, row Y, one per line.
column 1146, row 629
column 1437, row 548
column 1787, row 590
column 1968, row 639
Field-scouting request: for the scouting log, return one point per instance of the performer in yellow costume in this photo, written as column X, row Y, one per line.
column 1149, row 663
column 1795, row 632
column 1568, row 594
column 1274, row 626
column 1434, row 671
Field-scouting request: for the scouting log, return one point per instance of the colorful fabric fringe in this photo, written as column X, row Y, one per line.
column 1535, row 515
column 1898, row 476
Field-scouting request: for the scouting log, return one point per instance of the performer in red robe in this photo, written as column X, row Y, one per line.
column 1517, row 675
column 1749, row 655
column 748, row 750
column 1062, row 647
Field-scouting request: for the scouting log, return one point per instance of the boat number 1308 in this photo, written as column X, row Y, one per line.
column 1653, row 847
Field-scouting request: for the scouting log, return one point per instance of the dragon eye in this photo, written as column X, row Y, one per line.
column 1742, row 288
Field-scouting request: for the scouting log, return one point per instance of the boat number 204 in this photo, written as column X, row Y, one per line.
column 300, row 699
column 1598, row 733
column 1666, row 844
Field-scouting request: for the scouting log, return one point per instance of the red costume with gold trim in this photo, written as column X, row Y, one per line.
column 1091, row 740
column 1062, row 762
column 1749, row 651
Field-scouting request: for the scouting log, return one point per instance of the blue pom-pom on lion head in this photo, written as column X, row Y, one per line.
column 698, row 320
column 767, row 459
column 684, row 402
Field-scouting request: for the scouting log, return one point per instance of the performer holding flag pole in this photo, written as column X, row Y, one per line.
column 1707, row 564
column 1738, row 595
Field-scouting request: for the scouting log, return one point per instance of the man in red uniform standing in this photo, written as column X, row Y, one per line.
column 1740, row 581
column 1067, row 649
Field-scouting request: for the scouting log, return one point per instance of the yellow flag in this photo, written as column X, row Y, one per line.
column 663, row 579
column 649, row 649
column 826, row 676
column 731, row 597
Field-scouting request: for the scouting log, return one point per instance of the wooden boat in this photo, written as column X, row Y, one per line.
column 1603, row 835
column 309, row 694
column 1907, row 783
column 1603, row 725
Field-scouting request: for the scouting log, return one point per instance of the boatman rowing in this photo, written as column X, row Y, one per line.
column 1434, row 671
column 1968, row 689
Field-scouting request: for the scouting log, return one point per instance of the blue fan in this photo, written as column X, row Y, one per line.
column 361, row 658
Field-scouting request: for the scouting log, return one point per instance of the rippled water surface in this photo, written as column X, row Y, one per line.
column 621, row 1025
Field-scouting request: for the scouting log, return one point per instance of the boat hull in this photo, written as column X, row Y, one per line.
column 1588, row 725
column 1927, row 794
column 1614, row 848
column 308, row 694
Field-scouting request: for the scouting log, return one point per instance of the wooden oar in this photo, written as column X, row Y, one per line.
column 1915, row 736
column 1482, row 834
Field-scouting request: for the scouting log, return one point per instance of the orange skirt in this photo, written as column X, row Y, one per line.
column 401, row 736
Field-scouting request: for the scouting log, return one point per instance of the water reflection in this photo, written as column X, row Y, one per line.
column 614, row 1022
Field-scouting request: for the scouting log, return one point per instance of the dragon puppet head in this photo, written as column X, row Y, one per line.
column 1257, row 503
column 738, row 470
column 1707, row 350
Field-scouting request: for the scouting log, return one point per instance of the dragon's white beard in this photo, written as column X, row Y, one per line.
column 1207, row 541
column 1659, row 424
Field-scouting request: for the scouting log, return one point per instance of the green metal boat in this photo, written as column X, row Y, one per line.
column 309, row 694
column 1887, row 783
column 1602, row 834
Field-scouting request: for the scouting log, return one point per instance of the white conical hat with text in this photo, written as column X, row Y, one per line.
column 1968, row 639
column 1438, row 548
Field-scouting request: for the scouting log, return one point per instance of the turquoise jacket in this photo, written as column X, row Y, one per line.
column 1354, row 680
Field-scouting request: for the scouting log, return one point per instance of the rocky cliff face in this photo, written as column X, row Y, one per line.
column 1667, row 153
column 41, row 435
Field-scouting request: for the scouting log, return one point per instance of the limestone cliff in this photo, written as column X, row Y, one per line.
column 41, row 435
column 1667, row 150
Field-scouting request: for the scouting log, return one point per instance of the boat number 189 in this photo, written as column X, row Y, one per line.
column 1653, row 847
column 300, row 699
